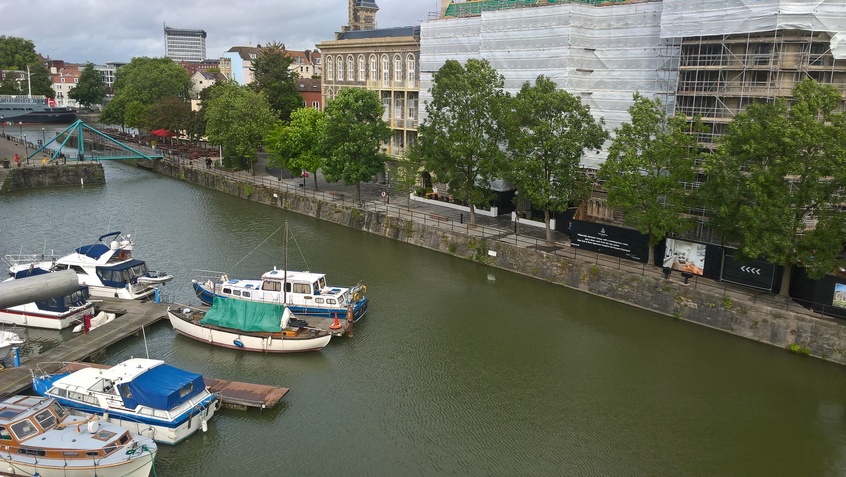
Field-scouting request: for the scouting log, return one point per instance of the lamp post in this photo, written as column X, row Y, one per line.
column 26, row 150
column 20, row 129
column 43, row 138
column 3, row 124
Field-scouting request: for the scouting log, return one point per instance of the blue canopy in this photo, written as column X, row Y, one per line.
column 162, row 387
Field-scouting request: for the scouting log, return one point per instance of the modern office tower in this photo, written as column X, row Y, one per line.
column 185, row 45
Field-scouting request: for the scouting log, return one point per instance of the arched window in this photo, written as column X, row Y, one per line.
column 386, row 69
column 411, row 70
column 330, row 66
column 397, row 68
column 373, row 74
column 340, row 68
column 362, row 71
column 350, row 68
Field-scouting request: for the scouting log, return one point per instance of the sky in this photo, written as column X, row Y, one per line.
column 99, row 31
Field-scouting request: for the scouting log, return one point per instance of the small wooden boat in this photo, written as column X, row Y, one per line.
column 248, row 326
column 39, row 437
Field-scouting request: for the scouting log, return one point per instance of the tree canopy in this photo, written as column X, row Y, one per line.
column 459, row 139
column 144, row 81
column 17, row 53
column 548, row 130
column 237, row 118
column 273, row 77
column 649, row 160
column 90, row 89
column 775, row 185
column 172, row 113
column 300, row 143
column 355, row 132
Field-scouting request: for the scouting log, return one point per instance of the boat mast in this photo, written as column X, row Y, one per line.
column 285, row 273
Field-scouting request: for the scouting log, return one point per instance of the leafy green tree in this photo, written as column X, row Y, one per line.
column 237, row 118
column 136, row 115
column 299, row 144
column 9, row 85
column 459, row 139
column 404, row 176
column 547, row 134
column 145, row 81
column 775, row 185
column 17, row 53
column 172, row 113
column 276, row 81
column 648, row 163
column 354, row 133
column 90, row 89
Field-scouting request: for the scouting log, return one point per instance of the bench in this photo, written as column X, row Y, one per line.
column 439, row 217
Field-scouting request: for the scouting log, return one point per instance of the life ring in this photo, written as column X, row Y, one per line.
column 122, row 255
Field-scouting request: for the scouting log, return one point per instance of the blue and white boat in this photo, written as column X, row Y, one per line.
column 55, row 313
column 106, row 267
column 304, row 293
column 145, row 396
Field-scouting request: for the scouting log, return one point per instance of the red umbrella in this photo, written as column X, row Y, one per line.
column 162, row 133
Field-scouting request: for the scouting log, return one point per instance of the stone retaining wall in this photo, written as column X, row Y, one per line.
column 804, row 334
column 71, row 174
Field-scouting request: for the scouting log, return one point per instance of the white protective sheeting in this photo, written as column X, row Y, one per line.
column 686, row 18
column 603, row 54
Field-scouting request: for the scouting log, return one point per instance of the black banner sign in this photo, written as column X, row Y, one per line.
column 753, row 273
column 610, row 240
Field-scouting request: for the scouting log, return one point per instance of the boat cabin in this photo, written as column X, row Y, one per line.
column 23, row 418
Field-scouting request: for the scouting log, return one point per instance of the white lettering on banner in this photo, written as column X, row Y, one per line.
column 603, row 242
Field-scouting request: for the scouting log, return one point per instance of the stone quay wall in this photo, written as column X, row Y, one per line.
column 51, row 175
column 803, row 333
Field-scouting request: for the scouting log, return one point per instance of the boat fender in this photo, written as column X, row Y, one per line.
column 364, row 288
column 205, row 426
column 238, row 343
column 355, row 297
column 93, row 426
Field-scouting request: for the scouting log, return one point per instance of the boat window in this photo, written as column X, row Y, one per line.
column 30, row 451
column 322, row 282
column 227, row 291
column 92, row 453
column 46, row 419
column 186, row 390
column 125, row 392
column 287, row 287
column 246, row 294
column 236, row 292
column 59, row 410
column 271, row 286
column 331, row 301
column 318, row 300
column 110, row 448
column 4, row 434
column 24, row 429
column 70, row 454
column 304, row 288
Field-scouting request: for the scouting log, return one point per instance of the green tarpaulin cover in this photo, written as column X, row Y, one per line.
column 244, row 315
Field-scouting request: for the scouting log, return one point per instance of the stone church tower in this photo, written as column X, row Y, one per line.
column 362, row 15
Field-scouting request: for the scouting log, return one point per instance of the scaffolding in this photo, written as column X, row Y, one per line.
column 476, row 7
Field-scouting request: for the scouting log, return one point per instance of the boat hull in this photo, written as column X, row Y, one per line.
column 139, row 466
column 51, row 321
column 264, row 343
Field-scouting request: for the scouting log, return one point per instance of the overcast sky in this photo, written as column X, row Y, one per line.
column 79, row 31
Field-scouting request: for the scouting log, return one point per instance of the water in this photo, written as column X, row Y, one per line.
column 458, row 369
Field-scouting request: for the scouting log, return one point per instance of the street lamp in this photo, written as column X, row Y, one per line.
column 26, row 149
column 20, row 128
column 43, row 138
column 3, row 123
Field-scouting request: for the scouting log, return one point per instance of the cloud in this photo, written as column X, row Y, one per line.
column 79, row 31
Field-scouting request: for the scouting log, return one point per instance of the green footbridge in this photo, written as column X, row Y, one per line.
column 77, row 130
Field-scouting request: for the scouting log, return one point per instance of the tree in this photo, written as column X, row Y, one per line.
column 547, row 134
column 17, row 53
column 145, row 81
column 775, row 185
column 171, row 113
column 648, row 162
column 276, row 81
column 90, row 89
column 237, row 118
column 459, row 139
column 299, row 144
column 354, row 133
column 9, row 85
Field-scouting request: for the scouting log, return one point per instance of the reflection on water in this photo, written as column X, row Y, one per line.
column 458, row 369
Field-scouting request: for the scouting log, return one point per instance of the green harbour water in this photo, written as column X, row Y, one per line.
column 457, row 370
